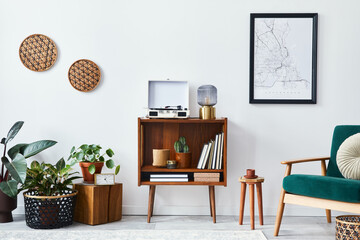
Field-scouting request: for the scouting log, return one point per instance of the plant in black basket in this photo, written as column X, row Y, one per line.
column 49, row 201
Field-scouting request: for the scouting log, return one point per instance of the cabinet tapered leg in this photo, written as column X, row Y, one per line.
column 242, row 202
column 151, row 202
column 211, row 214
column 260, row 205
column 212, row 202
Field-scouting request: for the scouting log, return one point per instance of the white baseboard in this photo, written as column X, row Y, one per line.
column 290, row 210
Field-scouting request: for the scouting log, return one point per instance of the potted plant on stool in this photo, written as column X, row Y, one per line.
column 49, row 202
column 13, row 169
column 91, row 161
column 182, row 154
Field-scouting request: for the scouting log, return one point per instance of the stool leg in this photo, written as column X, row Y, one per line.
column 251, row 193
column 260, row 205
column 242, row 202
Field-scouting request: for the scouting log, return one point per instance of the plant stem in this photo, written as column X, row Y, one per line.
column 2, row 165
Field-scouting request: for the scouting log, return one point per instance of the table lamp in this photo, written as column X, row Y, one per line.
column 207, row 98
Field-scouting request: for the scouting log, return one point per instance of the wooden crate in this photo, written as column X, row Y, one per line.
column 98, row 204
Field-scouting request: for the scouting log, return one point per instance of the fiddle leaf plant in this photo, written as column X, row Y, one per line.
column 91, row 153
column 13, row 166
column 49, row 180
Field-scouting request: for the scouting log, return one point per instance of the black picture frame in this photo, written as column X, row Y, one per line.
column 266, row 80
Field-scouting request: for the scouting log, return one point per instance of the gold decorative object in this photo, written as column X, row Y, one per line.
column 38, row 52
column 84, row 75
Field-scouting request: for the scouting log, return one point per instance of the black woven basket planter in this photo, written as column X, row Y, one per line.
column 49, row 212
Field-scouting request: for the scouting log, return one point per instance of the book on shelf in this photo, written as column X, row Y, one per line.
column 172, row 179
column 221, row 150
column 206, row 175
column 183, row 175
column 211, row 156
column 218, row 159
column 207, row 154
column 202, row 155
column 206, row 179
column 213, row 163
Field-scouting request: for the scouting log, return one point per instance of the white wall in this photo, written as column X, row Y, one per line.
column 202, row 41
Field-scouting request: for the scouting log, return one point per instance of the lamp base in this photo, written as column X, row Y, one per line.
column 207, row 112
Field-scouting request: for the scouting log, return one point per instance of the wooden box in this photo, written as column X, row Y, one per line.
column 97, row 204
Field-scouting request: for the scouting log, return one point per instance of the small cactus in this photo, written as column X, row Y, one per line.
column 180, row 145
column 186, row 148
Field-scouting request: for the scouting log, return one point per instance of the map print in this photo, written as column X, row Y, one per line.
column 282, row 58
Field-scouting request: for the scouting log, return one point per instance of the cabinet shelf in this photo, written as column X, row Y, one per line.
column 183, row 183
column 158, row 169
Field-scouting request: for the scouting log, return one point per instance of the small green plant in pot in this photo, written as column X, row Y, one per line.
column 13, row 169
column 91, row 160
column 49, row 201
column 182, row 154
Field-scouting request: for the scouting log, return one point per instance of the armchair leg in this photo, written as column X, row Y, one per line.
column 328, row 215
column 280, row 212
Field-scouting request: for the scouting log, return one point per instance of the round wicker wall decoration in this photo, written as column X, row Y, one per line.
column 38, row 52
column 84, row 75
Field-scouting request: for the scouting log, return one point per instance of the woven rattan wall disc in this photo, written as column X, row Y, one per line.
column 38, row 52
column 84, row 75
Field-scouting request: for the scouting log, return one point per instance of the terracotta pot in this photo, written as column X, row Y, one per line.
column 7, row 204
column 183, row 159
column 88, row 177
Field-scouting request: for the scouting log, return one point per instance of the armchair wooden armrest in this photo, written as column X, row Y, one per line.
column 305, row 160
column 290, row 163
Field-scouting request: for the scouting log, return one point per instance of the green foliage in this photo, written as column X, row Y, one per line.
column 180, row 146
column 48, row 179
column 92, row 153
column 13, row 167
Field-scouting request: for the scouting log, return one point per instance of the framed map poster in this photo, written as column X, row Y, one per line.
column 283, row 49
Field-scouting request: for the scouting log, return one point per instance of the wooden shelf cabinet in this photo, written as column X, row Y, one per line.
column 162, row 134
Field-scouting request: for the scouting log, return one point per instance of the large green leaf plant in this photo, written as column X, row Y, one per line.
column 13, row 166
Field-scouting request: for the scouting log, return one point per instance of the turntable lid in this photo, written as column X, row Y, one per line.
column 168, row 93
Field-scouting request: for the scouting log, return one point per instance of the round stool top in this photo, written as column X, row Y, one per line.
column 251, row 180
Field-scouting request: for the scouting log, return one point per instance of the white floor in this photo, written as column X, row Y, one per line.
column 291, row 228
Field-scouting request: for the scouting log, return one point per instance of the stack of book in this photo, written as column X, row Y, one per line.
column 169, row 177
column 206, row 177
column 212, row 153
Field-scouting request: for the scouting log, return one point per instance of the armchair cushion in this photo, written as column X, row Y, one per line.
column 348, row 157
column 332, row 188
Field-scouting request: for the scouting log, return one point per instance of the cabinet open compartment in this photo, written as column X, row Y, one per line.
column 162, row 134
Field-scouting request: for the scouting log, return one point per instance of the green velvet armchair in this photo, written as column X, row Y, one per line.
column 330, row 190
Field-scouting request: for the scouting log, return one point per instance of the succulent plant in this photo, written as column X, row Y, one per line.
column 180, row 146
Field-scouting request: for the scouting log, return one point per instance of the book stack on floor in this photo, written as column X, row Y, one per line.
column 206, row 177
column 169, row 177
column 212, row 153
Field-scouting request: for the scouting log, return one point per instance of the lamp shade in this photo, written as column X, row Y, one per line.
column 207, row 95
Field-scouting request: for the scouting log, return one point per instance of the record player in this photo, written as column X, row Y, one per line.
column 168, row 99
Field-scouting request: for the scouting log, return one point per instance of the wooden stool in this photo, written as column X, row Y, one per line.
column 251, row 182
